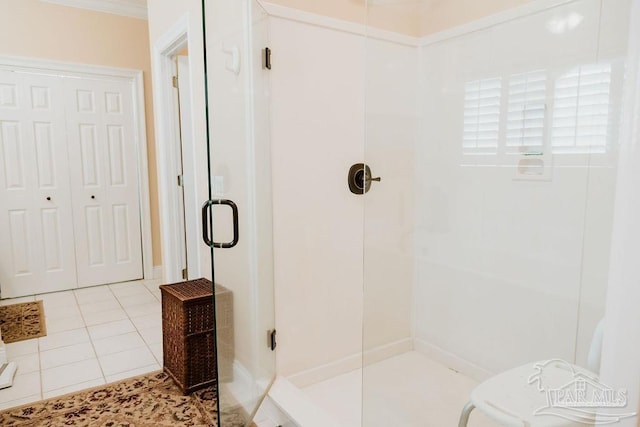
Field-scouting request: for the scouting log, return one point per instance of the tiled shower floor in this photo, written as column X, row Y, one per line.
column 403, row 391
column 94, row 336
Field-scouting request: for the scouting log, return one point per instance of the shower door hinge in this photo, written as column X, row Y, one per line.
column 185, row 274
column 180, row 181
column 267, row 58
column 271, row 338
column 174, row 81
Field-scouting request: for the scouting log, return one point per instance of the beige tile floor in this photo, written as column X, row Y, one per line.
column 94, row 336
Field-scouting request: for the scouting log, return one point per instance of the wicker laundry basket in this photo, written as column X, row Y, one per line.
column 189, row 348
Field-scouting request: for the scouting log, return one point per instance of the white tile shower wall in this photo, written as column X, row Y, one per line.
column 503, row 262
column 318, row 132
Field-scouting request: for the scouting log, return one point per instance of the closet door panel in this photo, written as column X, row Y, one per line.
column 123, row 176
column 37, row 250
column 105, row 184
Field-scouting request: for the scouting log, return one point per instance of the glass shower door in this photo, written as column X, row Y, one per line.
column 237, row 217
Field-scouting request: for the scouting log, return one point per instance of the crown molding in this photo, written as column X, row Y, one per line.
column 131, row 8
column 505, row 16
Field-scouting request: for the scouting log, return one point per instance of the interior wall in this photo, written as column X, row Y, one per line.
column 241, row 171
column 507, row 261
column 38, row 29
column 163, row 16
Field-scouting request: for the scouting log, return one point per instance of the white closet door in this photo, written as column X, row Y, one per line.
column 36, row 229
column 104, row 181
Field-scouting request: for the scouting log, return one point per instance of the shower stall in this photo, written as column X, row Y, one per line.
column 495, row 129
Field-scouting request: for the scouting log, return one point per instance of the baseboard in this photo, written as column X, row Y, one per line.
column 387, row 351
column 297, row 406
column 157, row 272
column 271, row 414
column 243, row 392
column 326, row 371
column 350, row 363
column 241, row 375
column 451, row 361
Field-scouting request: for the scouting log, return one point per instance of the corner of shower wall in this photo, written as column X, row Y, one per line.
column 391, row 134
column 321, row 112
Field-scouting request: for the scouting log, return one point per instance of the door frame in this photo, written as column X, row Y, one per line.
column 135, row 78
column 185, row 149
column 166, row 111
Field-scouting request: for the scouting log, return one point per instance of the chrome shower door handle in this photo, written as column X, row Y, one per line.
column 206, row 232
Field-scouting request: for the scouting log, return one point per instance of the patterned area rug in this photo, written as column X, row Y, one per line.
column 152, row 400
column 23, row 321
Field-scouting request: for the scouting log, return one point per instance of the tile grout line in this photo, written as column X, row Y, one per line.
column 39, row 354
column 136, row 326
column 126, row 312
column 122, row 307
column 90, row 341
column 89, row 335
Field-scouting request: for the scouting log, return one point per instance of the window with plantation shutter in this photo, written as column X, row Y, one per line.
column 482, row 116
column 581, row 110
column 526, row 108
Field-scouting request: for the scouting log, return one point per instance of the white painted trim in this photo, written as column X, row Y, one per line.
column 490, row 21
column 242, row 388
column 387, row 351
column 297, row 15
column 189, row 167
column 298, row 406
column 326, row 371
column 66, row 69
column 350, row 363
column 451, row 361
column 245, row 388
column 135, row 78
column 270, row 414
column 117, row 7
column 169, row 44
column 143, row 175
